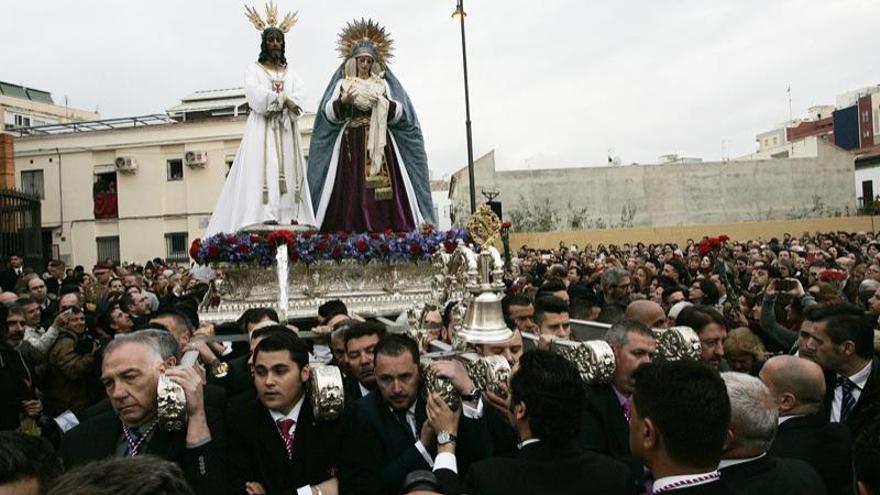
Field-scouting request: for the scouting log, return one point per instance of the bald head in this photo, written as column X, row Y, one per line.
column 797, row 383
column 647, row 312
column 8, row 297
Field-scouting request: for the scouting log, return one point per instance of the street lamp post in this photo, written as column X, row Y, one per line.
column 460, row 13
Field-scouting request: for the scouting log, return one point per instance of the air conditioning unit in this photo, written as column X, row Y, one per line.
column 126, row 164
column 195, row 158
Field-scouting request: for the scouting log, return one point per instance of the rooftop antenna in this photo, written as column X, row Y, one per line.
column 790, row 115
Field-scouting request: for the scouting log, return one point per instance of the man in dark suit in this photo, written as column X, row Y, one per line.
column 548, row 460
column 503, row 434
column 130, row 373
column 9, row 277
column 798, row 386
column 843, row 345
column 275, row 443
column 387, row 435
column 680, row 435
column 605, row 426
column 55, row 279
column 360, row 342
column 746, row 468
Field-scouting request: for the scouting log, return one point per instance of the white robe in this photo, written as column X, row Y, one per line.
column 256, row 163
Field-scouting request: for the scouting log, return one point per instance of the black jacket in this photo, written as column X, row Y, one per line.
column 99, row 438
column 770, row 474
column 868, row 405
column 256, row 451
column 377, row 452
column 541, row 469
column 825, row 446
column 604, row 429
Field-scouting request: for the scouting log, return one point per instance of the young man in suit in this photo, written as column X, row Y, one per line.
column 275, row 443
column 680, row 435
column 387, row 435
column 605, row 426
column 842, row 342
column 360, row 342
column 9, row 277
column 745, row 466
column 547, row 398
column 130, row 374
column 798, row 386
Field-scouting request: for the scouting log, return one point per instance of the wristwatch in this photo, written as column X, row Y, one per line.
column 472, row 397
column 445, row 437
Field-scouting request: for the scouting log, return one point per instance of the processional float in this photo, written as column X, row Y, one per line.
column 470, row 275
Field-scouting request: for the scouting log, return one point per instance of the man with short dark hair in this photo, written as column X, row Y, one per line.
column 680, row 416
column 55, row 278
column 360, row 342
column 72, row 365
column 798, row 385
column 546, row 405
column 17, row 394
column 553, row 287
column 609, row 406
column 551, row 316
column 843, row 345
column 746, row 468
column 275, row 442
column 9, row 277
column 520, row 311
column 388, row 435
column 28, row 464
column 136, row 306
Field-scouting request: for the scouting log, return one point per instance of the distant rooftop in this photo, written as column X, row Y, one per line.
column 25, row 93
column 93, row 125
column 210, row 103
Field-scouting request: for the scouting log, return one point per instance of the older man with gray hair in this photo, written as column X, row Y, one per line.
column 798, row 385
column 746, row 468
column 130, row 373
column 616, row 287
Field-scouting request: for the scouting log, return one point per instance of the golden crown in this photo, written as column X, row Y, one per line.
column 271, row 20
column 365, row 37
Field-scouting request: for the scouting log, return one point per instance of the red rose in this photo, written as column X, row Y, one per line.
column 361, row 245
column 255, row 238
column 506, row 225
column 213, row 251
column 307, row 235
column 723, row 238
column 389, row 231
column 415, row 249
column 294, row 256
column 194, row 248
column 449, row 246
column 704, row 248
column 321, row 245
column 714, row 243
column 241, row 248
column 337, row 252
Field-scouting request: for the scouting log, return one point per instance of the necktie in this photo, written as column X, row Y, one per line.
column 847, row 402
column 284, row 426
column 401, row 417
column 627, row 408
column 135, row 438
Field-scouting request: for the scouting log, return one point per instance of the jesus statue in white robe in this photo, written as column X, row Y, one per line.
column 267, row 182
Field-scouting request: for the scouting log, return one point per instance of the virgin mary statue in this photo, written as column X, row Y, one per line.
column 367, row 168
column 267, row 183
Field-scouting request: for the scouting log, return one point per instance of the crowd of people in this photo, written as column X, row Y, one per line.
column 785, row 397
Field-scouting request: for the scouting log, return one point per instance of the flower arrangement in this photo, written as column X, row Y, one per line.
column 311, row 247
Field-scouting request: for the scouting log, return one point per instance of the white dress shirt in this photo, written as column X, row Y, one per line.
column 860, row 379
column 293, row 415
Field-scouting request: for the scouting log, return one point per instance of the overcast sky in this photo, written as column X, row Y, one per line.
column 554, row 83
